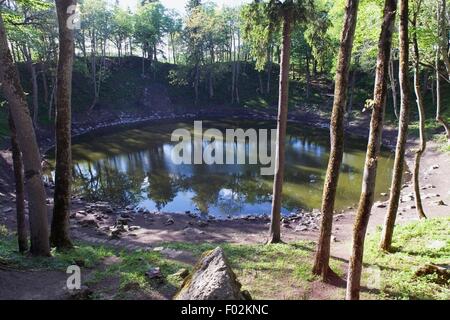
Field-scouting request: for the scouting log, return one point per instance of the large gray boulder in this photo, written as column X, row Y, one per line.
column 212, row 279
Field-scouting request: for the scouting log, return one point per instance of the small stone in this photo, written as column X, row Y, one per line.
column 301, row 228
column 440, row 203
column 383, row 194
column 434, row 167
column 380, row 205
column 154, row 273
column 115, row 234
column 202, row 223
column 6, row 210
column 88, row 223
column 169, row 222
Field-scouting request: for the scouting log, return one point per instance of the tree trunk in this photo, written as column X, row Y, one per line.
column 321, row 263
column 143, row 64
column 233, row 79
column 26, row 138
column 52, row 98
column 261, row 86
column 269, row 70
column 44, row 82
column 22, row 237
column 425, row 83
column 393, row 86
column 275, row 232
column 421, row 110
column 131, row 47
column 94, row 70
column 308, row 78
column 59, row 236
column 439, row 118
column 238, row 68
column 397, row 175
column 442, row 48
column 34, row 85
column 373, row 151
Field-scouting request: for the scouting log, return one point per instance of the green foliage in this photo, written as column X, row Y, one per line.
column 150, row 24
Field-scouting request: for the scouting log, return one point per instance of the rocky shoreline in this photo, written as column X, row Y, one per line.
column 115, row 222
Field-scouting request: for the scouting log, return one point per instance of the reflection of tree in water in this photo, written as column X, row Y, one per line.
column 162, row 188
column 205, row 187
column 101, row 181
column 244, row 188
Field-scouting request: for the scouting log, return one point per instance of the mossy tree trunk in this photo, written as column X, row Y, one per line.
column 275, row 229
column 322, row 258
column 22, row 237
column 26, row 138
column 59, row 236
column 373, row 151
column 396, row 184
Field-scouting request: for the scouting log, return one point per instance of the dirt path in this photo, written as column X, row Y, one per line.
column 435, row 168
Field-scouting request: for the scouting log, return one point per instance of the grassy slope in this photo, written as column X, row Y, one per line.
column 277, row 271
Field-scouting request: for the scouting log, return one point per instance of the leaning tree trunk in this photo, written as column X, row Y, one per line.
column 59, row 236
column 422, row 138
column 26, row 138
column 373, row 151
column 321, row 263
column 22, row 237
column 275, row 232
column 396, row 184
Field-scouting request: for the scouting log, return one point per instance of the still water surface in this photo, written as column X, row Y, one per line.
column 134, row 166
